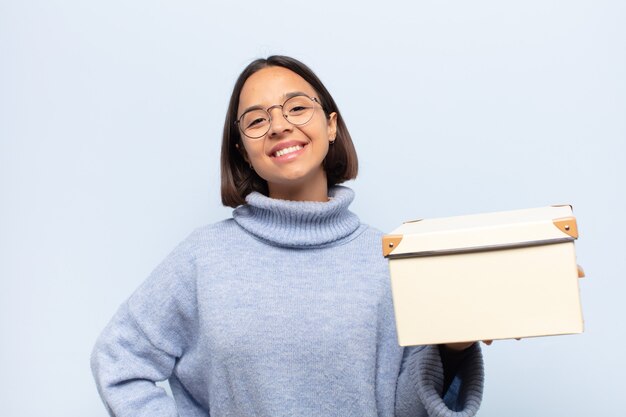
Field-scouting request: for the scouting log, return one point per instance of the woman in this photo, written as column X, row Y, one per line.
column 285, row 309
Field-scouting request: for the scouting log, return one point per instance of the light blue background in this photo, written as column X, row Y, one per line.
column 110, row 121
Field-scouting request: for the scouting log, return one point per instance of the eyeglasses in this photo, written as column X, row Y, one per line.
column 297, row 110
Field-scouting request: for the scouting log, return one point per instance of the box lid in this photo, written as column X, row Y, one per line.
column 480, row 232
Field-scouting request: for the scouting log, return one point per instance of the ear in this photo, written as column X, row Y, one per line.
column 242, row 151
column 332, row 127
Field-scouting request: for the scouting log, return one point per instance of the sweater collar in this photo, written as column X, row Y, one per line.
column 302, row 224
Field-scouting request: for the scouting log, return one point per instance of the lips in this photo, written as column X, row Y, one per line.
column 285, row 148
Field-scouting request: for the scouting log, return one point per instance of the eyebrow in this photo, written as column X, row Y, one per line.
column 286, row 96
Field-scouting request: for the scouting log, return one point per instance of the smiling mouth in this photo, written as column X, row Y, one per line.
column 288, row 150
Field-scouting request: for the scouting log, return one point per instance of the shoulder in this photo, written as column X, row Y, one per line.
column 181, row 263
column 365, row 249
column 372, row 232
column 370, row 237
column 221, row 240
column 207, row 234
column 198, row 244
column 210, row 231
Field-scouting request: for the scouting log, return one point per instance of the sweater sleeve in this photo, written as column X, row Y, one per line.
column 419, row 392
column 142, row 342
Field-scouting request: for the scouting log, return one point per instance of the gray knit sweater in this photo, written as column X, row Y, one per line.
column 284, row 310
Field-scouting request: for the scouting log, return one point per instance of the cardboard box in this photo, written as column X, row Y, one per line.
column 487, row 276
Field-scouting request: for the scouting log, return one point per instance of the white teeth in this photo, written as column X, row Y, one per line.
column 288, row 150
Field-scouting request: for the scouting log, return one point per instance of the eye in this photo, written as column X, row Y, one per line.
column 297, row 105
column 256, row 122
column 297, row 109
column 254, row 119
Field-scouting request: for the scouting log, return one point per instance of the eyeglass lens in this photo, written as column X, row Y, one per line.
column 297, row 110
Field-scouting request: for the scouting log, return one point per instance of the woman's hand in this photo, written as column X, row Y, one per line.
column 461, row 346
column 458, row 347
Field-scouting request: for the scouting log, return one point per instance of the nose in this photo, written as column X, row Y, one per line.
column 279, row 123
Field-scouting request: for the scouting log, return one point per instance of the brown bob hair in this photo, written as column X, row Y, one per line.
column 238, row 179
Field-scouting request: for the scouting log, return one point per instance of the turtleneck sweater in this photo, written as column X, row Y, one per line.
column 283, row 310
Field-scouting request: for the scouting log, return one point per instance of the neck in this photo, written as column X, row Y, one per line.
column 316, row 190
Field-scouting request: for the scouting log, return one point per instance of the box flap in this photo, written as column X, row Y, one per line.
column 488, row 231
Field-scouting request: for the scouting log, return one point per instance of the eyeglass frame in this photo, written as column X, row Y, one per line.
column 313, row 99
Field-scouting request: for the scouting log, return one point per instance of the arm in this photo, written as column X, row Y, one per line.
column 145, row 337
column 420, row 390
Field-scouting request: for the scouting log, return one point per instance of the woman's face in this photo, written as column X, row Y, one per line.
column 288, row 157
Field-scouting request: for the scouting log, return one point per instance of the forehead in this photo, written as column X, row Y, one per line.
column 270, row 86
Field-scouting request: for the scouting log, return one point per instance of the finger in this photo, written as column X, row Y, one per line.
column 488, row 342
